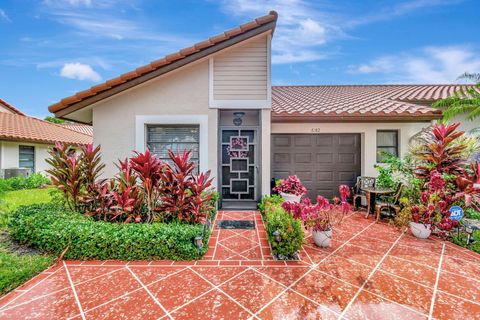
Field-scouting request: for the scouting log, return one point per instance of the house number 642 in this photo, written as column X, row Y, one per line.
column 316, row 130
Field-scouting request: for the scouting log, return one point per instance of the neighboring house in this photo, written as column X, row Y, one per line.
column 79, row 127
column 24, row 140
column 216, row 99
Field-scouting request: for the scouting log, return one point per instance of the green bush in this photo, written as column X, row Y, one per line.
column 290, row 229
column 33, row 181
column 268, row 202
column 472, row 214
column 51, row 228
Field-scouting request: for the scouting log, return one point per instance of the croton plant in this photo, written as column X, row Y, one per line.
column 290, row 185
column 322, row 215
column 448, row 178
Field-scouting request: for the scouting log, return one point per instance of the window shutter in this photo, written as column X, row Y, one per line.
column 161, row 138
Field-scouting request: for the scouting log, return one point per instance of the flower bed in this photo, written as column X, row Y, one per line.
column 53, row 229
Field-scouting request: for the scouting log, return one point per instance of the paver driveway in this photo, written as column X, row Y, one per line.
column 372, row 271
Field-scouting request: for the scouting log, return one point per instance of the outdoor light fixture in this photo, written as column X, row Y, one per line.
column 277, row 236
column 198, row 241
column 238, row 118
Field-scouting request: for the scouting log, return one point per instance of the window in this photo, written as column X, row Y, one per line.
column 161, row 138
column 387, row 142
column 26, row 157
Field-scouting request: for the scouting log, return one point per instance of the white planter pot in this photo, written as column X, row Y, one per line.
column 420, row 230
column 322, row 239
column 290, row 197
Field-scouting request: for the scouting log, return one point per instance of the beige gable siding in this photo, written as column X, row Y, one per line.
column 241, row 73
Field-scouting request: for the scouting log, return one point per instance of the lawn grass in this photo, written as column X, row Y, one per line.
column 462, row 240
column 11, row 200
column 17, row 268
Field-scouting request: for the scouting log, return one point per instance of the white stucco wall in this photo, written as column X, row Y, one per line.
column 183, row 92
column 265, row 117
column 466, row 125
column 9, row 153
column 368, row 133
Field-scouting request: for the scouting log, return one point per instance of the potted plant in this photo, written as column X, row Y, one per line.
column 291, row 189
column 321, row 216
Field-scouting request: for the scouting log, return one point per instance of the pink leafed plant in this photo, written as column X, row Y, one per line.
column 323, row 215
column 434, row 204
column 291, row 185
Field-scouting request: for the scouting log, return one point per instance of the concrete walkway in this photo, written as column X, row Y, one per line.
column 372, row 271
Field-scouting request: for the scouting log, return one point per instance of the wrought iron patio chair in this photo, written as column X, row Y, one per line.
column 357, row 190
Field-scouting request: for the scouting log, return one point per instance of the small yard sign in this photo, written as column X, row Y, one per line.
column 456, row 213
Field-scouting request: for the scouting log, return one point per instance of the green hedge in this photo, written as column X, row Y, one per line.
column 51, row 228
column 33, row 181
column 290, row 229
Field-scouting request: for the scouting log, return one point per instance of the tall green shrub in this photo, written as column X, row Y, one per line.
column 290, row 229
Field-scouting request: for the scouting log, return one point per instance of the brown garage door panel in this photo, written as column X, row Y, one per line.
column 321, row 161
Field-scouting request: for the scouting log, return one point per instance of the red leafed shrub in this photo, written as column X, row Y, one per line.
column 144, row 190
column 447, row 178
column 148, row 169
column 468, row 185
column 323, row 215
column 183, row 193
column 434, row 205
column 291, row 185
column 66, row 173
column 439, row 152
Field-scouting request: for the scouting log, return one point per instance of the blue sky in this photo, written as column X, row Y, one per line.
column 52, row 49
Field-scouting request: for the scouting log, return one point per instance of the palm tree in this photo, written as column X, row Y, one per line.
column 466, row 101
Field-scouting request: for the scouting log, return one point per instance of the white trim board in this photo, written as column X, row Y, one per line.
column 141, row 121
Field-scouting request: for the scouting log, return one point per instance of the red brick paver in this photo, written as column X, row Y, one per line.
column 372, row 271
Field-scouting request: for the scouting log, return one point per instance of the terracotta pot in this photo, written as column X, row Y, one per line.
column 420, row 230
column 322, row 239
column 291, row 197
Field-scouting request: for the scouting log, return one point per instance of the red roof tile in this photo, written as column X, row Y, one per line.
column 79, row 127
column 23, row 128
column 358, row 101
column 10, row 107
column 183, row 53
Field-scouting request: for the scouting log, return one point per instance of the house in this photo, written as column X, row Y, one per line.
column 24, row 140
column 216, row 99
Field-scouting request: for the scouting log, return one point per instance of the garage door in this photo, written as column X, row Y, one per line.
column 321, row 161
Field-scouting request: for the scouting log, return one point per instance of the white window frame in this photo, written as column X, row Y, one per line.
column 141, row 122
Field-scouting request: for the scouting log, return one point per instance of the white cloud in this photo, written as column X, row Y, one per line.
column 304, row 27
column 4, row 16
column 300, row 28
column 79, row 71
column 435, row 64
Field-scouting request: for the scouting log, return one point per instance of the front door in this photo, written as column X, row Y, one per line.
column 240, row 170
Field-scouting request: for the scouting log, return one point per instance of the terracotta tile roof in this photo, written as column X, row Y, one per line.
column 358, row 101
column 79, row 127
column 10, row 107
column 23, row 128
column 160, row 63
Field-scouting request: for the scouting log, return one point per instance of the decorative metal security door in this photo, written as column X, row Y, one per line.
column 239, row 167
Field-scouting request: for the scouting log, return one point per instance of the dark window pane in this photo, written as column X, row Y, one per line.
column 26, row 157
column 161, row 138
column 387, row 142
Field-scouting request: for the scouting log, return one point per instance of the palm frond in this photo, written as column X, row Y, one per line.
column 475, row 113
column 475, row 77
column 464, row 101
